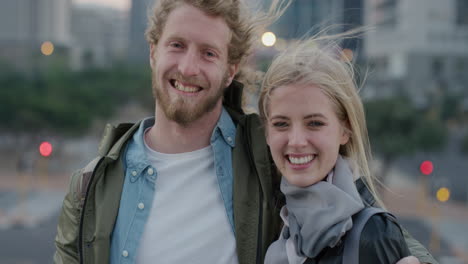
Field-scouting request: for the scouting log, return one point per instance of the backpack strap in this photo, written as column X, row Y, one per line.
column 84, row 179
column 351, row 246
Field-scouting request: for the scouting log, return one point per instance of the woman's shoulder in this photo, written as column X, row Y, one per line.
column 382, row 241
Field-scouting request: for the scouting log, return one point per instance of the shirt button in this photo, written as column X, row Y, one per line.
column 150, row 171
column 125, row 253
column 134, row 173
column 229, row 139
column 141, row 206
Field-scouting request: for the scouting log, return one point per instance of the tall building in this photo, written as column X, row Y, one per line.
column 26, row 24
column 353, row 17
column 138, row 49
column 418, row 48
column 99, row 36
column 309, row 17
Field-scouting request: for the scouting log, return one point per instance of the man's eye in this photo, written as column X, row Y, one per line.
column 176, row 45
column 210, row 54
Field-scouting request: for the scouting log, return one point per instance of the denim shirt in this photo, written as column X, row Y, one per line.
column 141, row 178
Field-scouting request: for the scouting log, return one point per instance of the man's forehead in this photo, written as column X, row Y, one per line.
column 191, row 22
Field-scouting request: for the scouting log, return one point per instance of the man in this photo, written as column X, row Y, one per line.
column 195, row 183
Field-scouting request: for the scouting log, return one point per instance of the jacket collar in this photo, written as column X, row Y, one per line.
column 114, row 139
column 233, row 97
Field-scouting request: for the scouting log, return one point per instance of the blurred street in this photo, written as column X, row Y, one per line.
column 441, row 227
column 28, row 217
column 29, row 211
column 29, row 245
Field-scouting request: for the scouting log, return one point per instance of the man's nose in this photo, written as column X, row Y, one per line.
column 189, row 63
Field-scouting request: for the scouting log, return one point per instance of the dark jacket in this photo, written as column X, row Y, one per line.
column 381, row 242
column 84, row 232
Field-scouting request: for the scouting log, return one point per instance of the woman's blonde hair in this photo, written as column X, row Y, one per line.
column 320, row 61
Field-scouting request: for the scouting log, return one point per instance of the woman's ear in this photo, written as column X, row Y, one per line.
column 345, row 133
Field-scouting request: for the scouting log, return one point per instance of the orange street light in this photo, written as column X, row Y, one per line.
column 47, row 48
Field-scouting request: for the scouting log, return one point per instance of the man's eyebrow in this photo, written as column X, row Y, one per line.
column 174, row 38
column 203, row 44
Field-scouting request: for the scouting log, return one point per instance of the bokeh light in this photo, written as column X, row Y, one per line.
column 347, row 55
column 443, row 194
column 47, row 48
column 426, row 167
column 45, row 149
column 268, row 39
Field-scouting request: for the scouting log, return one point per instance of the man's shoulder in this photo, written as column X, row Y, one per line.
column 80, row 181
column 112, row 141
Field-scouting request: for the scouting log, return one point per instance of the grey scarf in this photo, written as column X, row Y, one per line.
column 318, row 215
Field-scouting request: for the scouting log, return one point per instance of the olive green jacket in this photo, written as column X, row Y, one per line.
column 90, row 208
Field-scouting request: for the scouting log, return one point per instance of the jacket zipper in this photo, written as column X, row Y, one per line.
column 260, row 194
column 80, row 237
column 260, row 231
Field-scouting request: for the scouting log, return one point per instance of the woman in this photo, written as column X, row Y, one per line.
column 317, row 134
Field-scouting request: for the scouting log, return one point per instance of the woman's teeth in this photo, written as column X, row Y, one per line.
column 301, row 160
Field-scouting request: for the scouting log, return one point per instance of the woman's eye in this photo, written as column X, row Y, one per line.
column 316, row 123
column 280, row 124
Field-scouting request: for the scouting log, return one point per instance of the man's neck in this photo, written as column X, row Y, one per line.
column 167, row 136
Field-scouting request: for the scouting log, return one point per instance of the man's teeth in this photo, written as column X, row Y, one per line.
column 188, row 89
column 301, row 160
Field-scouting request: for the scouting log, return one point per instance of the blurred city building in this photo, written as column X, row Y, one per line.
column 138, row 49
column 308, row 17
column 353, row 17
column 99, row 36
column 419, row 48
column 26, row 24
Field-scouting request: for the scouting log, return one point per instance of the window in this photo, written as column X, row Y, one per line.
column 462, row 12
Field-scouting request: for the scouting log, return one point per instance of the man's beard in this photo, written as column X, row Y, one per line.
column 180, row 109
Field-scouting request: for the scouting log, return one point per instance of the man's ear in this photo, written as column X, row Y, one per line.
column 151, row 55
column 232, row 68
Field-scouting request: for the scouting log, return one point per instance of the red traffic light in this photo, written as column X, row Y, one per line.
column 45, row 149
column 426, row 167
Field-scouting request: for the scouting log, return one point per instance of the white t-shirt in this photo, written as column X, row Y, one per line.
column 188, row 222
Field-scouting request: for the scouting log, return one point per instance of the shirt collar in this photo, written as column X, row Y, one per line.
column 226, row 128
column 136, row 157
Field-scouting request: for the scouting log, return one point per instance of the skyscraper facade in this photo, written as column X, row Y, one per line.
column 309, row 17
column 138, row 49
column 418, row 48
column 26, row 24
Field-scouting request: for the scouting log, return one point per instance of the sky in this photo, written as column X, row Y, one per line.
column 120, row 4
